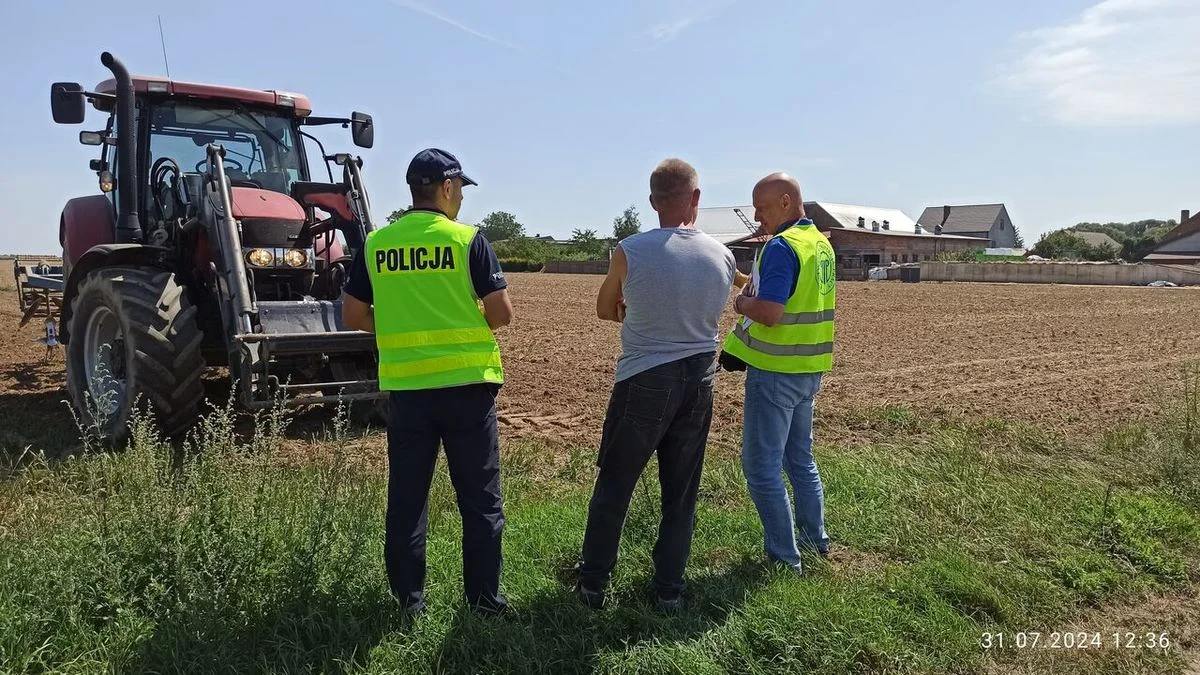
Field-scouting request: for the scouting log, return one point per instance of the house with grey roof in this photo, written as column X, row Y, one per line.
column 982, row 221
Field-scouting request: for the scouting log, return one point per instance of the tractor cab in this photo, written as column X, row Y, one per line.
column 292, row 239
column 210, row 229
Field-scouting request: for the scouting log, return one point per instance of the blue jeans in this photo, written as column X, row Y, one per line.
column 776, row 439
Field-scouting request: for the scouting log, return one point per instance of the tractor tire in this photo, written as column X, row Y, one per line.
column 134, row 336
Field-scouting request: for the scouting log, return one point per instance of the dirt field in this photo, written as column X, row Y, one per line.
column 1059, row 356
column 1070, row 358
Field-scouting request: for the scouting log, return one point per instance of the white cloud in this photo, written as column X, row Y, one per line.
column 422, row 9
column 1120, row 62
column 683, row 14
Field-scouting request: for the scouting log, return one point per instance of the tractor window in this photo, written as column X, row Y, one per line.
column 260, row 146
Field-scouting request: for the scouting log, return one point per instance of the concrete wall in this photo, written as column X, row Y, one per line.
column 576, row 267
column 1104, row 274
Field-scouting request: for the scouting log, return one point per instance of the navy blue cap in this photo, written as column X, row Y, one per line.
column 434, row 166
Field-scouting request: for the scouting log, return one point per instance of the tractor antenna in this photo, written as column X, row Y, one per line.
column 163, row 40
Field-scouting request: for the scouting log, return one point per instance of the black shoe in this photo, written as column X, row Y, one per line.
column 490, row 609
column 669, row 604
column 413, row 610
column 593, row 599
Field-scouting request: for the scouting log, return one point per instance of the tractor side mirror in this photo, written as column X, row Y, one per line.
column 91, row 138
column 67, row 103
column 362, row 129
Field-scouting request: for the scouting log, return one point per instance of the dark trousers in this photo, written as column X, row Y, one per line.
column 463, row 420
column 669, row 409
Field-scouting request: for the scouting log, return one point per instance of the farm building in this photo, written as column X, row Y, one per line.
column 1099, row 240
column 862, row 236
column 1181, row 245
column 982, row 221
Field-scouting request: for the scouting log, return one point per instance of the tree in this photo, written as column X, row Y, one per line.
column 1136, row 239
column 394, row 215
column 586, row 242
column 500, row 225
column 627, row 224
column 1064, row 245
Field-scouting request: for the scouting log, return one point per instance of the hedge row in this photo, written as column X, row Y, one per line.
column 520, row 265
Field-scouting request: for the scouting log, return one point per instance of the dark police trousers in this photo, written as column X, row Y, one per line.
column 463, row 420
column 667, row 408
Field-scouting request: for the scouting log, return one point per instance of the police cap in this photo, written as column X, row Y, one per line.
column 433, row 165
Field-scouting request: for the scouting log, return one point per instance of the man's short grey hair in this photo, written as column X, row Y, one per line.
column 673, row 178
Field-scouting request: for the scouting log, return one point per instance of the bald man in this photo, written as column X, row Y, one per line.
column 785, row 341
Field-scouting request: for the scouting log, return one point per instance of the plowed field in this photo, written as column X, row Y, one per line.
column 1065, row 357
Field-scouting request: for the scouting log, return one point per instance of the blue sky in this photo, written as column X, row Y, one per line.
column 1065, row 110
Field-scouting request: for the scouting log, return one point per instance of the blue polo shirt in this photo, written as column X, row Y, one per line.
column 780, row 268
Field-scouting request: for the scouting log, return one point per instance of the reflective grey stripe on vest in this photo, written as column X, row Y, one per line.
column 781, row 350
column 805, row 318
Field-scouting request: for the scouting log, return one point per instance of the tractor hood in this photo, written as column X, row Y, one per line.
column 252, row 203
column 269, row 219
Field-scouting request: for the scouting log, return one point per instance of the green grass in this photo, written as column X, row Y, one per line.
column 231, row 560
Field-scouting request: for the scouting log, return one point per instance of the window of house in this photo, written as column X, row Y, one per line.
column 894, row 257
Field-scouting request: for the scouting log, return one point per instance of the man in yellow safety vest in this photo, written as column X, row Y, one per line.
column 425, row 276
column 785, row 341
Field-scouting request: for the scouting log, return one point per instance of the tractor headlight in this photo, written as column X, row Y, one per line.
column 294, row 257
column 260, row 257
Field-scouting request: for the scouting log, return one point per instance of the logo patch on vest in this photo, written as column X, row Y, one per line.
column 826, row 270
column 414, row 259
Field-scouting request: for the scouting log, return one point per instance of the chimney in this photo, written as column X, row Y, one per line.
column 1184, row 215
column 887, row 225
column 917, row 228
column 862, row 222
column 874, row 225
column 945, row 214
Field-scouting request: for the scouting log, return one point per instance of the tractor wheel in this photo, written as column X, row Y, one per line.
column 133, row 335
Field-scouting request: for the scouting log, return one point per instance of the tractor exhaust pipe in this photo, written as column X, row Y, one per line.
column 129, row 228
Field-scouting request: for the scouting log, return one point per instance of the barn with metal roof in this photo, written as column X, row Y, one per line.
column 862, row 236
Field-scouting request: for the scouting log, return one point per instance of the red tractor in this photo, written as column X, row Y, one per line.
column 210, row 244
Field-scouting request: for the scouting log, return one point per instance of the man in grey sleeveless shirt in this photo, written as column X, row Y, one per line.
column 667, row 287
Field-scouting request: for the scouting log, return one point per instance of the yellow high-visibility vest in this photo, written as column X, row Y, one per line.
column 429, row 326
column 802, row 341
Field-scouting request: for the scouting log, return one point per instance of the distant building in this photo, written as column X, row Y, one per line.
column 982, row 221
column 1098, row 240
column 862, row 236
column 1181, row 245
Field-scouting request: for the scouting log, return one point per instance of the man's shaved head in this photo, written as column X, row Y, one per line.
column 674, row 192
column 777, row 201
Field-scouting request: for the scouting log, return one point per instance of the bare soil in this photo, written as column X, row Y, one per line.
column 1069, row 358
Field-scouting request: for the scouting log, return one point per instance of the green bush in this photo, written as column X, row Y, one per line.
column 520, row 265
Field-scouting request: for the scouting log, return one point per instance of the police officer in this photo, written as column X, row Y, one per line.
column 785, row 344
column 418, row 284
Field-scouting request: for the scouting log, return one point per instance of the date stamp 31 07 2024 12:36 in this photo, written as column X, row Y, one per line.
column 1075, row 640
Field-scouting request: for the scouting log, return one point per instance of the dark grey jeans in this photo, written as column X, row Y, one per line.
column 667, row 409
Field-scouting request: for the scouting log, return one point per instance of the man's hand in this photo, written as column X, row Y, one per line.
column 740, row 280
